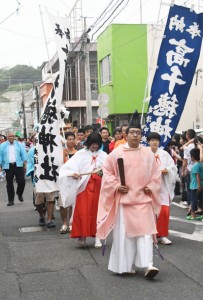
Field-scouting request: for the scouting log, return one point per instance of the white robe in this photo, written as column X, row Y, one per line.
column 129, row 253
column 168, row 182
column 81, row 162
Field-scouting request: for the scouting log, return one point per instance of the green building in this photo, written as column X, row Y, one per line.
column 122, row 70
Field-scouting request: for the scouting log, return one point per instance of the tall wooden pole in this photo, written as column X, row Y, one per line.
column 87, row 78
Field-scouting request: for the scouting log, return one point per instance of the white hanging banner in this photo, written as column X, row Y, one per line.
column 48, row 151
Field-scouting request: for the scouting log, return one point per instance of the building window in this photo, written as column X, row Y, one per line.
column 93, row 80
column 105, row 69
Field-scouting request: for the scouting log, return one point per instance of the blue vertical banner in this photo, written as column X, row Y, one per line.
column 177, row 61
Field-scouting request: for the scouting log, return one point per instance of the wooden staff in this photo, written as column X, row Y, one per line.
column 121, row 170
column 88, row 173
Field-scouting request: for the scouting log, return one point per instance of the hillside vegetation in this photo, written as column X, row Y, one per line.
column 10, row 79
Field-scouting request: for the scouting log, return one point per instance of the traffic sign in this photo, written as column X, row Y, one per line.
column 103, row 112
column 103, row 99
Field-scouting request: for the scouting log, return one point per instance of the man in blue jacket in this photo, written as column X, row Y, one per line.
column 13, row 160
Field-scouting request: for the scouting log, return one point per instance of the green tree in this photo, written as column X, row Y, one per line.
column 9, row 78
column 24, row 74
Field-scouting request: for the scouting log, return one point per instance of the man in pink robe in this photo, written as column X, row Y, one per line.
column 130, row 210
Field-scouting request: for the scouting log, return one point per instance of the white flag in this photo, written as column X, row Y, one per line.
column 49, row 151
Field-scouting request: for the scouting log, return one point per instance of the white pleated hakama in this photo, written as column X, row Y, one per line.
column 129, row 253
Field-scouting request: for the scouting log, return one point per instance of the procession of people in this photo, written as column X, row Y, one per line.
column 115, row 184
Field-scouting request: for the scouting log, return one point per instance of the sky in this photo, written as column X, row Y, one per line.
column 25, row 31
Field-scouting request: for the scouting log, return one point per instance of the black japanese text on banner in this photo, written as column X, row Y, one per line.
column 49, row 152
column 177, row 61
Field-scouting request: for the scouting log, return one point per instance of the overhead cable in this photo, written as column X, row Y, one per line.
column 108, row 17
column 16, row 11
column 103, row 14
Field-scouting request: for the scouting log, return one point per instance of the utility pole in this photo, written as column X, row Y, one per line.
column 37, row 100
column 197, row 120
column 24, row 114
column 140, row 11
column 87, row 77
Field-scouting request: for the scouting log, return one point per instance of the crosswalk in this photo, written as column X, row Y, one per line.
column 197, row 234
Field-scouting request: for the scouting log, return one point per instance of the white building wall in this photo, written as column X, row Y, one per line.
column 8, row 109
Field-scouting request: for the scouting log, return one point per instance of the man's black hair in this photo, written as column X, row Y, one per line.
column 88, row 127
column 153, row 135
column 183, row 136
column 104, row 128
column 195, row 153
column 191, row 133
column 69, row 133
column 81, row 130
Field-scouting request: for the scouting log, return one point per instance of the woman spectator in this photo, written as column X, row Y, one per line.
column 117, row 136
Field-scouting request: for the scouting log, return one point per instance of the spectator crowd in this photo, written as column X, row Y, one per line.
column 112, row 182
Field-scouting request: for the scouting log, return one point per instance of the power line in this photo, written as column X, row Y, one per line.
column 188, row 2
column 119, row 25
column 83, row 36
column 21, row 50
column 21, row 34
column 81, row 53
column 120, row 10
column 100, row 17
column 185, row 2
column 108, row 17
column 16, row 11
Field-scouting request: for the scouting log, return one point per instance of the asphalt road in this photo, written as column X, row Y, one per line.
column 46, row 265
